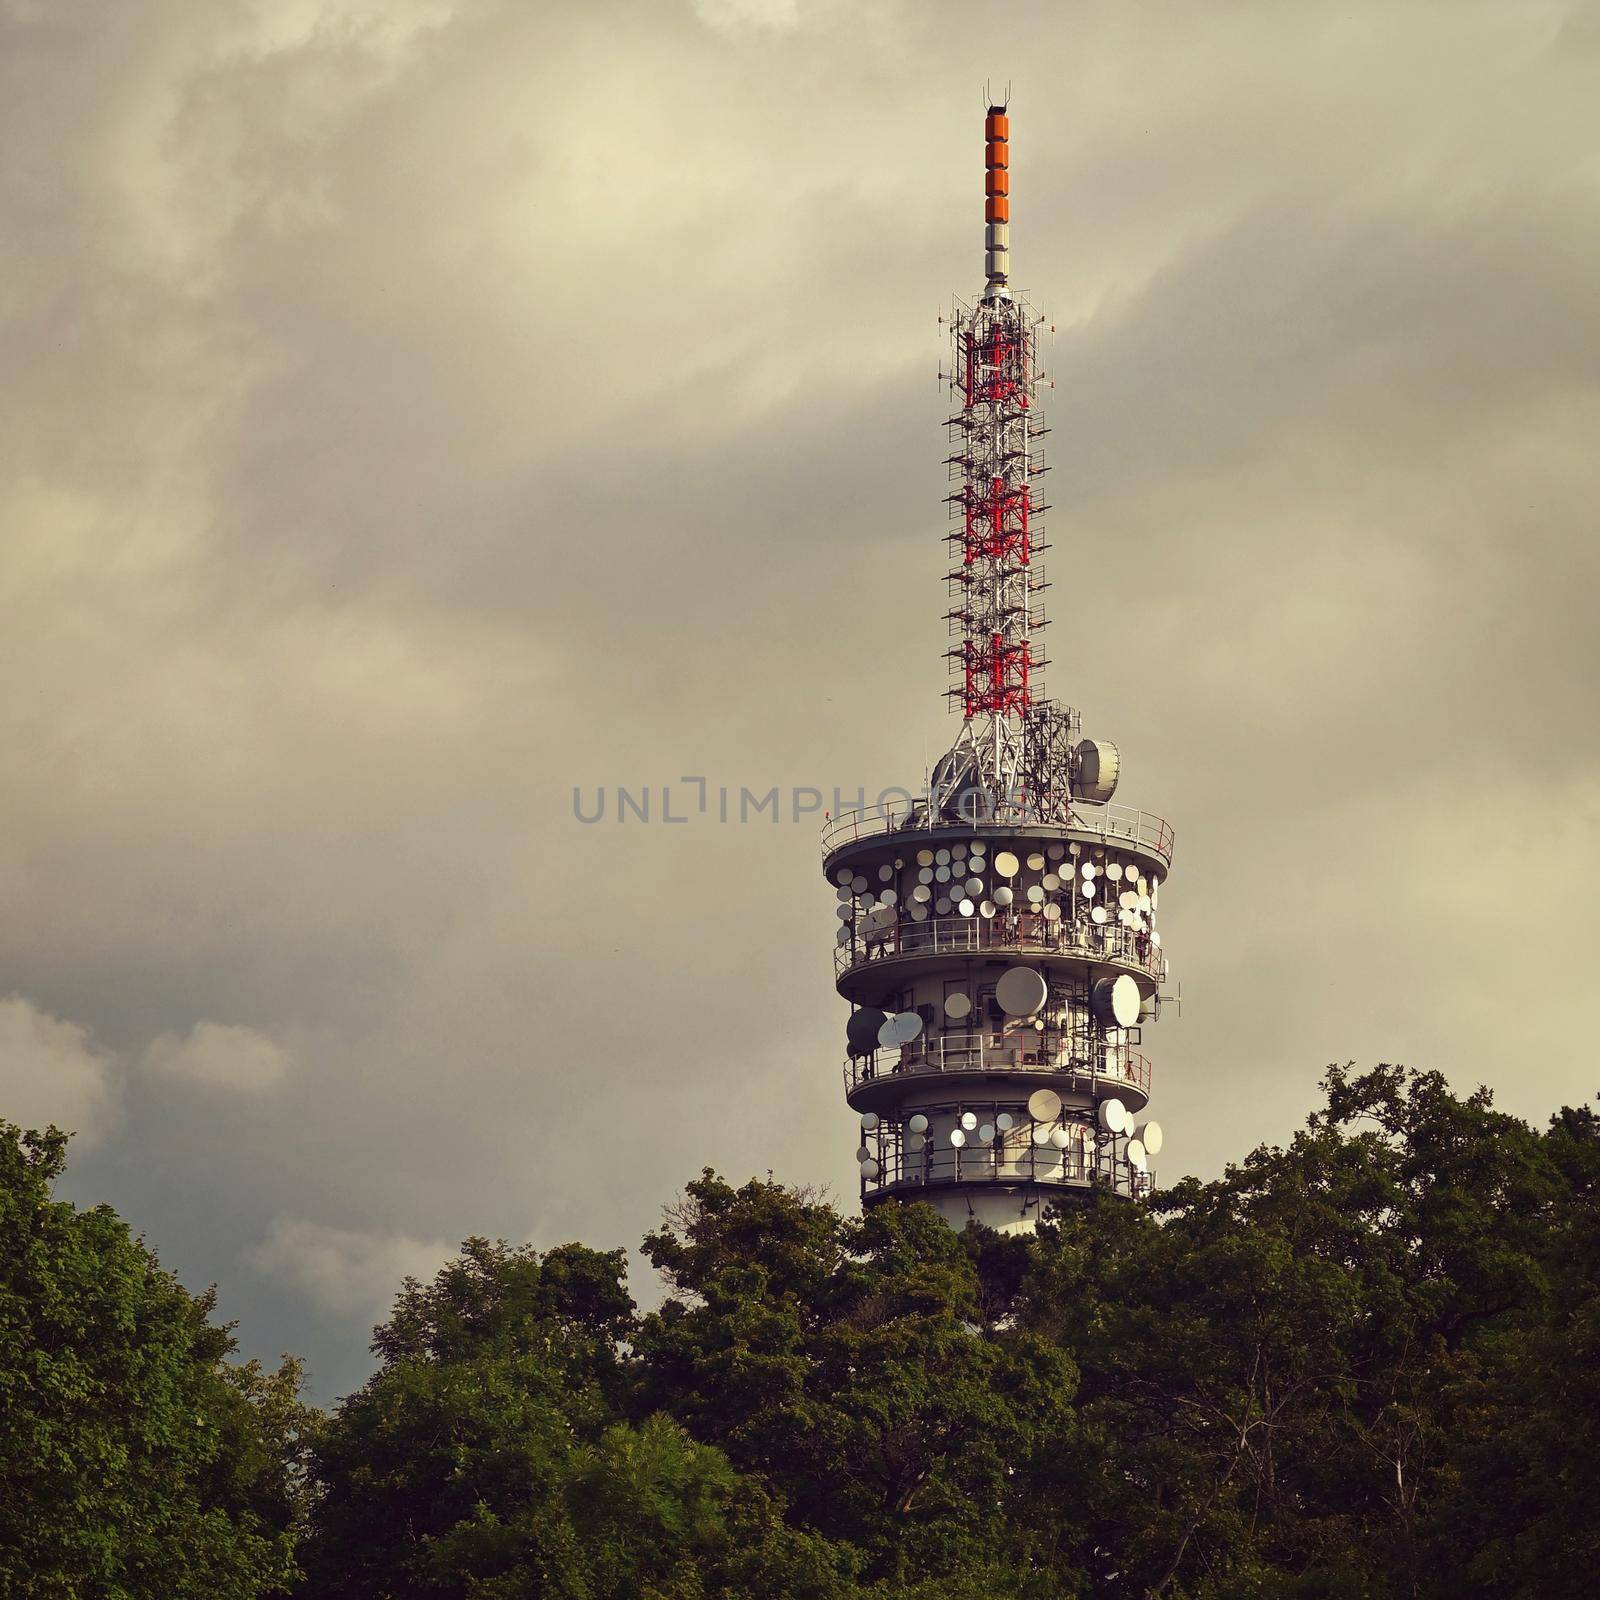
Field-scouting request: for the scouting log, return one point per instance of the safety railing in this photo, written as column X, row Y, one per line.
column 1110, row 825
column 1112, row 1068
column 1021, row 933
column 940, row 1165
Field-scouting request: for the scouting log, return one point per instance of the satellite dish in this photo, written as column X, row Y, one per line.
column 1127, row 900
column 869, row 1121
column 846, row 912
column 1142, row 884
column 845, row 895
column 1021, row 991
column 1114, row 871
column 886, row 1037
column 863, row 1155
column 1044, row 1105
column 843, row 937
column 1036, row 862
column 986, row 1133
column 1041, row 1133
column 942, row 858
column 870, row 1169
column 1152, row 1137
column 1055, row 851
column 1003, row 896
column 969, row 1120
column 1050, row 883
column 979, row 847
column 1113, row 1115
column 888, row 898
column 862, row 1030
column 843, row 875
column 1006, row 864
column 885, row 873
column 942, row 905
column 1074, row 849
column 1143, row 903
column 1004, row 1121
column 1136, row 1155
column 1086, row 889
column 915, row 1143
column 1098, row 915
column 974, row 887
column 1087, row 870
column 986, row 908
column 1116, row 1000
column 924, row 858
column 966, row 908
column 922, row 894
column 957, row 1137
column 859, row 884
column 957, row 1006
column 917, row 1123
column 924, row 875
column 1098, row 764
column 941, row 874
column 906, row 1025
column 1052, row 912
column 1059, row 1137
column 919, row 913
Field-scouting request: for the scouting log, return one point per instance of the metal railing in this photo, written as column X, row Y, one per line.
column 1116, row 1068
column 1009, row 931
column 1108, row 824
column 938, row 1165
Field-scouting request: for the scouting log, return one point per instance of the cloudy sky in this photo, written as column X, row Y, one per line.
column 417, row 409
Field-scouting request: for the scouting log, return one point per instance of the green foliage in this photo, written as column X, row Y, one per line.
column 134, row 1460
column 1363, row 1366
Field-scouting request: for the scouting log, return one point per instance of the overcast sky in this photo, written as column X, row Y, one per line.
column 416, row 409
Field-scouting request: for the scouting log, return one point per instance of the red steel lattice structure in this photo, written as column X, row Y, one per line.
column 995, row 575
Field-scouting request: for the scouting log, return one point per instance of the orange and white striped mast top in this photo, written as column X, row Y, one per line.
column 997, row 202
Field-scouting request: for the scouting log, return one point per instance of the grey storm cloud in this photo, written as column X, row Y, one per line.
column 416, row 411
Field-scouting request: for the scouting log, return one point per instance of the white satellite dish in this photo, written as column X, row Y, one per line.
column 1136, row 1155
column 942, row 905
column 888, row 898
column 974, row 888
column 1003, row 896
column 907, row 1025
column 863, row 1155
column 1074, row 849
column 1087, row 871
column 1050, row 882
column 922, row 894
column 917, row 1123
column 986, row 1133
column 1059, row 1137
column 1007, row 864
column 924, row 875
column 941, row 874
column 979, row 847
column 1114, row 871
column 843, row 875
column 1055, row 851
column 870, row 1169
column 924, row 858
column 1128, row 900
column 1004, row 1121
column 958, row 1137
column 1086, row 889
column 1152, row 1137
column 1044, row 1105
column 965, row 907
column 869, row 1121
column 957, row 1006
column 1052, row 912
column 969, row 1120
column 886, row 1038
column 1155, row 939
column 1021, row 991
column 1036, row 862
column 1113, row 1115
column 986, row 908
column 1035, row 895
column 942, row 858
column 885, row 873
column 1116, row 1000
column 1041, row 1133
column 1098, row 915
column 915, row 1143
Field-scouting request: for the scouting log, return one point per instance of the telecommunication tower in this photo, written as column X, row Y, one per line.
column 997, row 943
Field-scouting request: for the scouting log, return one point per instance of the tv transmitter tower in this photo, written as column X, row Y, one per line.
column 997, row 942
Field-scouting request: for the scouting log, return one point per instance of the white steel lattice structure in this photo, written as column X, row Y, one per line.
column 997, row 942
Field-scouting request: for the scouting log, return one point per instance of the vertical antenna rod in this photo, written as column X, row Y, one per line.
column 997, row 200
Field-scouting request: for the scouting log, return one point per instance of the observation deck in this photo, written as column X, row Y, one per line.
column 885, row 1076
column 1010, row 933
column 1109, row 826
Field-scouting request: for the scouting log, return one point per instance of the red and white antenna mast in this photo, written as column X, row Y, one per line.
column 996, row 577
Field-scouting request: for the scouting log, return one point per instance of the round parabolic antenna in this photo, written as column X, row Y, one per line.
column 870, row 1168
column 1052, row 912
column 885, row 873
column 917, row 1123
column 924, row 874
column 1098, row 764
column 1152, row 1137
column 846, row 912
column 1021, row 991
column 869, row 1121
column 974, row 887
column 1007, row 864
column 1060, row 1137
column 966, row 908
column 1136, row 1155
column 957, row 1006
column 941, row 874
column 843, row 937
column 862, row 1030
column 1003, row 896
column 1050, row 882
column 919, row 913
column 1044, row 1105
column 907, row 1025
column 924, row 858
column 1113, row 1115
column 1055, row 851
column 1114, row 871
column 1128, row 900
column 921, row 893
column 1036, row 862
column 1004, row 1121
column 888, row 897
column 1155, row 939
column 986, row 908
column 1087, row 870
column 845, row 895
column 1041, row 1133
column 1125, row 1001
column 1099, row 916
column 843, row 876
column 915, row 1143
column 1035, row 895
column 1086, row 889
column 978, row 847
column 958, row 1137
column 969, row 1120
column 942, row 858
column 986, row 1133
column 886, row 1035
column 863, row 1155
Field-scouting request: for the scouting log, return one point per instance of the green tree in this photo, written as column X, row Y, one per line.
column 135, row 1460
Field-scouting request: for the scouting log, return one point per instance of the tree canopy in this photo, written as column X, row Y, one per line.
column 1362, row 1364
